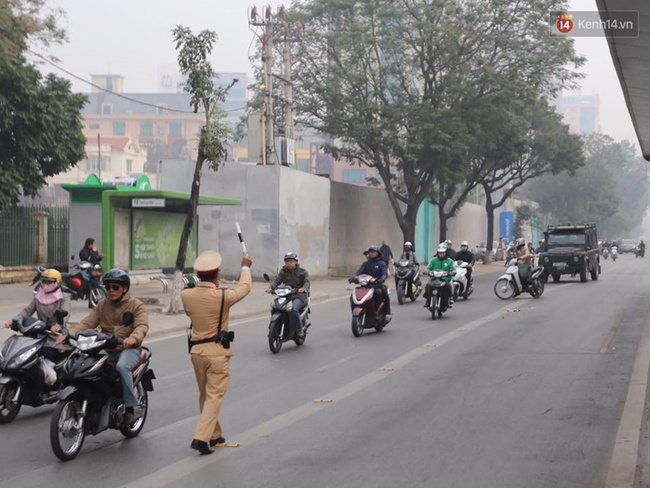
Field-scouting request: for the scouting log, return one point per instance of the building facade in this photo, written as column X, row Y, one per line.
column 580, row 112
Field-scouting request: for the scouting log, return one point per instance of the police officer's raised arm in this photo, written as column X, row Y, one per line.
column 244, row 285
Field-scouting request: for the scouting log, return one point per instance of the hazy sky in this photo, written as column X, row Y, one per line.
column 132, row 38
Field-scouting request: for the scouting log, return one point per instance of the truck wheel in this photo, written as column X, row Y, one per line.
column 556, row 278
column 583, row 273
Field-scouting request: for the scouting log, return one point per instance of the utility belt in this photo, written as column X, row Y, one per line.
column 224, row 338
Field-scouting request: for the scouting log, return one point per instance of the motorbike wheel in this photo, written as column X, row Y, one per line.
column 400, row 293
column 95, row 295
column 66, row 437
column 414, row 296
column 536, row 288
column 357, row 325
column 504, row 289
column 300, row 340
column 143, row 400
column 435, row 310
column 594, row 274
column 8, row 409
column 275, row 337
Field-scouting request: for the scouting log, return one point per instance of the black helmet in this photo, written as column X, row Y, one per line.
column 117, row 276
column 372, row 248
column 291, row 255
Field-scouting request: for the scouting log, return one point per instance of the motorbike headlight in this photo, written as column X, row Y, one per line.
column 24, row 356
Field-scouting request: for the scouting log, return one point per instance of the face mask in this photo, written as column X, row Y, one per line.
column 49, row 288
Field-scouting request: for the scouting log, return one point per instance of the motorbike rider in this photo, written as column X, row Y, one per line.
column 408, row 253
column 49, row 298
column 90, row 254
column 108, row 316
column 466, row 256
column 642, row 247
column 451, row 253
column 293, row 275
column 524, row 259
column 375, row 267
column 441, row 261
column 540, row 246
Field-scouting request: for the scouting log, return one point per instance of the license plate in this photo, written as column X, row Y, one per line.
column 559, row 265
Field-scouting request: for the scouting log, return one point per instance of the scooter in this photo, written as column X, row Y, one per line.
column 407, row 281
column 437, row 302
column 509, row 285
column 91, row 400
column 281, row 326
column 26, row 377
column 614, row 253
column 459, row 282
column 365, row 314
column 605, row 253
column 73, row 282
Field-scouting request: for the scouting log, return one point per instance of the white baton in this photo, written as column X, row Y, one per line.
column 241, row 238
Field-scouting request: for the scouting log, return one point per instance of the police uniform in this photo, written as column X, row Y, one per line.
column 211, row 360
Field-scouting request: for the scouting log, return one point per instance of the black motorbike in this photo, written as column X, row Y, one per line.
column 407, row 281
column 437, row 293
column 281, row 326
column 26, row 378
column 639, row 252
column 91, row 399
column 72, row 283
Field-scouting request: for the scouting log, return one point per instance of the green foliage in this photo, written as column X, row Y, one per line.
column 613, row 188
column 523, row 214
column 396, row 84
column 193, row 51
column 40, row 123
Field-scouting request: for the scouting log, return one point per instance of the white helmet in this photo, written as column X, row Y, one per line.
column 408, row 243
column 464, row 243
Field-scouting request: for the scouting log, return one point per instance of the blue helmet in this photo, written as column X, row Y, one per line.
column 116, row 275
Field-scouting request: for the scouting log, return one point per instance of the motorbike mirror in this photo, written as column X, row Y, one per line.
column 266, row 277
column 127, row 318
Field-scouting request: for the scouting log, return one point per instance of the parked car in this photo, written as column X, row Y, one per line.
column 627, row 246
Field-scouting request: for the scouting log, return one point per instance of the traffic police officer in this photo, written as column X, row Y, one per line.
column 209, row 348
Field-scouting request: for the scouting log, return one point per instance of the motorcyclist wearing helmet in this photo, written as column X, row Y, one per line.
column 524, row 259
column 108, row 315
column 451, row 253
column 466, row 256
column 441, row 261
column 293, row 275
column 408, row 253
column 48, row 299
column 376, row 267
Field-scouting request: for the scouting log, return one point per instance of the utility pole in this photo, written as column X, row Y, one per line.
column 288, row 94
column 268, row 23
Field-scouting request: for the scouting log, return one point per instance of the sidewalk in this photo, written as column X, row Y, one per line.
column 256, row 303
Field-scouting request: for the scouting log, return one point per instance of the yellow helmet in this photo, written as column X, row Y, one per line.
column 51, row 274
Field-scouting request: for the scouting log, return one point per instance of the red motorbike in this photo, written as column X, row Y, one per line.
column 365, row 313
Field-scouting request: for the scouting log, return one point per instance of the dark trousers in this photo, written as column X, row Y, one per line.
column 297, row 307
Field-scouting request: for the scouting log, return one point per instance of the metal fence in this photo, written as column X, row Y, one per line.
column 19, row 236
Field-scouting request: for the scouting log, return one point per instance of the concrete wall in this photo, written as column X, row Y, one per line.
column 85, row 221
column 282, row 210
column 470, row 224
column 359, row 217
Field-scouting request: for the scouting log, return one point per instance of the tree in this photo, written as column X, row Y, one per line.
column 612, row 189
column 388, row 79
column 544, row 146
column 40, row 119
column 193, row 51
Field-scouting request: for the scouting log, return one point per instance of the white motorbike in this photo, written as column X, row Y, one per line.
column 605, row 253
column 614, row 253
column 461, row 287
column 509, row 284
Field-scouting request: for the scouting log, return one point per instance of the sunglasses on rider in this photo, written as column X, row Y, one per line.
column 113, row 286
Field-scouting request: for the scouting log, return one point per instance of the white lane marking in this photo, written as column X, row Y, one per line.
column 622, row 468
column 175, row 472
column 335, row 364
